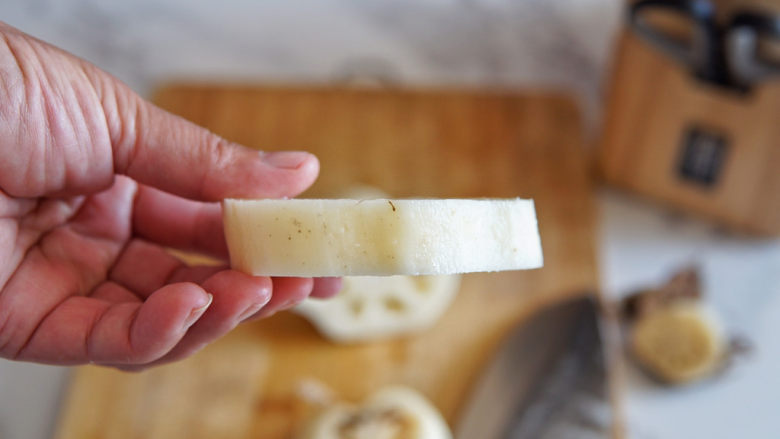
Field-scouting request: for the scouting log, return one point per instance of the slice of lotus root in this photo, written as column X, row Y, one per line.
column 369, row 308
column 391, row 413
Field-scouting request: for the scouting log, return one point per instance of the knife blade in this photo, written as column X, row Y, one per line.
column 547, row 380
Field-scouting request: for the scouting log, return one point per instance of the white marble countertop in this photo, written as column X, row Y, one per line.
column 641, row 245
column 555, row 44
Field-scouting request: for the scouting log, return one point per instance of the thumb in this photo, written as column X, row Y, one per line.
column 159, row 149
column 57, row 110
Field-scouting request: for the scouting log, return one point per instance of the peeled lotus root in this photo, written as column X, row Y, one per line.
column 391, row 413
column 369, row 308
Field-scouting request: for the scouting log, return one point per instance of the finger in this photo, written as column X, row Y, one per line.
column 114, row 293
column 236, row 296
column 196, row 273
column 60, row 145
column 144, row 267
column 172, row 154
column 179, row 223
column 325, row 287
column 288, row 292
column 85, row 329
column 88, row 109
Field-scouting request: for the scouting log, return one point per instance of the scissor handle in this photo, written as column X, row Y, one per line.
column 701, row 54
column 745, row 29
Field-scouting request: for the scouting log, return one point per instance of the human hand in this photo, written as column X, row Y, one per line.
column 94, row 183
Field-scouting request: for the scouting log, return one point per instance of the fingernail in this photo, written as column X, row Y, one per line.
column 285, row 159
column 196, row 313
column 251, row 310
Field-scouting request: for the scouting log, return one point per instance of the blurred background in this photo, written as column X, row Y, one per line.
column 681, row 146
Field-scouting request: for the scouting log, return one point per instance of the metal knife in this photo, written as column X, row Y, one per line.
column 548, row 380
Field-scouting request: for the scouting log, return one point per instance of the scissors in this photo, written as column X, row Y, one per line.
column 747, row 63
column 728, row 55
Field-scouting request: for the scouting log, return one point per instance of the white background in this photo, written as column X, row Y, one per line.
column 562, row 44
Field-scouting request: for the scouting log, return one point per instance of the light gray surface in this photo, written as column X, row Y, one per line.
column 29, row 399
column 643, row 245
column 505, row 43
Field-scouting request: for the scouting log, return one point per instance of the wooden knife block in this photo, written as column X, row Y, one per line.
column 696, row 147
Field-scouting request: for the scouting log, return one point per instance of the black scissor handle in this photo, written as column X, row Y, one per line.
column 700, row 54
column 746, row 64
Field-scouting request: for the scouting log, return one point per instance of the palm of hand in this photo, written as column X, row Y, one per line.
column 58, row 252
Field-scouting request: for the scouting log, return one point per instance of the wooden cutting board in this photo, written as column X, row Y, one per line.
column 409, row 143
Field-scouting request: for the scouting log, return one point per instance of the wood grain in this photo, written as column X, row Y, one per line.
column 653, row 102
column 409, row 143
